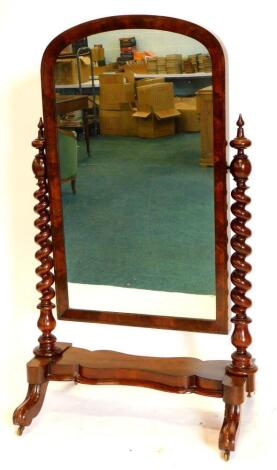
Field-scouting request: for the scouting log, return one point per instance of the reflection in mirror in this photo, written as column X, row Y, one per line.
column 135, row 144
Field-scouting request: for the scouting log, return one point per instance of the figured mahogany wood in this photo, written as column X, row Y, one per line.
column 31, row 406
column 242, row 362
column 234, row 394
column 220, row 324
column 46, row 323
column 174, row 374
column 170, row 374
column 228, row 432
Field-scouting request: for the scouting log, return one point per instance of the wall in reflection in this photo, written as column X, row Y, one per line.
column 134, row 116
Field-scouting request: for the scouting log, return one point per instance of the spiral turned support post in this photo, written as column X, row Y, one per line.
column 46, row 323
column 242, row 362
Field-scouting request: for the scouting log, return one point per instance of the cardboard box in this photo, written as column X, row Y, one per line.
column 105, row 68
column 148, row 81
column 117, row 91
column 161, row 61
column 98, row 53
column 66, row 72
column 156, row 110
column 139, row 55
column 188, row 120
column 136, row 67
column 127, row 42
column 157, row 97
column 151, row 127
column 111, row 77
column 174, row 63
column 151, row 65
column 174, row 57
column 117, row 96
column 117, row 123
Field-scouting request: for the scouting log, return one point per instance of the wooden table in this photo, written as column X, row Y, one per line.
column 70, row 103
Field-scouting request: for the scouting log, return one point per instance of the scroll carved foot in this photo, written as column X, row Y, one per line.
column 229, row 429
column 30, row 407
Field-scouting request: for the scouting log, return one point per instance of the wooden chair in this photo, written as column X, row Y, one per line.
column 67, row 146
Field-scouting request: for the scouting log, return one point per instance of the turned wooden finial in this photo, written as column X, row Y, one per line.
column 240, row 124
column 240, row 142
column 39, row 142
column 40, row 129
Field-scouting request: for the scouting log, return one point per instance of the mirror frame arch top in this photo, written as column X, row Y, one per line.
column 64, row 312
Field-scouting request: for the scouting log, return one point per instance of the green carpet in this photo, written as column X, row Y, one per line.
column 142, row 216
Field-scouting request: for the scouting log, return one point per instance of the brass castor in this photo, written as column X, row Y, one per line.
column 226, row 455
column 20, row 430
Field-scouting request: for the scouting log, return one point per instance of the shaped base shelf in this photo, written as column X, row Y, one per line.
column 174, row 374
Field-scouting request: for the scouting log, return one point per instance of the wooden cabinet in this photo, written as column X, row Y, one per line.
column 205, row 108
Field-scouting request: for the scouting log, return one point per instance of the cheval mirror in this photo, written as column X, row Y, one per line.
column 132, row 211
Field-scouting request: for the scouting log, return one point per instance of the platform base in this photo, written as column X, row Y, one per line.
column 175, row 374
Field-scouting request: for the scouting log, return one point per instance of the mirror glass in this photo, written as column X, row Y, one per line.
column 135, row 143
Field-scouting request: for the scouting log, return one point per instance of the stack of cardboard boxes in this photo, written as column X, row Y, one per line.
column 127, row 49
column 117, row 96
column 174, row 63
column 146, row 109
column 197, row 63
column 187, row 65
column 194, row 62
column 152, row 65
column 204, row 63
column 161, row 65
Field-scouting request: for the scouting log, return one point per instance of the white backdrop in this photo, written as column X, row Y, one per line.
column 141, row 428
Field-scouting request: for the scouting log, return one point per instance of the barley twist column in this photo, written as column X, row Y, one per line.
column 46, row 323
column 242, row 362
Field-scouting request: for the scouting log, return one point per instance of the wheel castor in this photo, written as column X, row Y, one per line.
column 20, row 430
column 226, row 455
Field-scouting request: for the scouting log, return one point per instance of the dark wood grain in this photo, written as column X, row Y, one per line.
column 31, row 406
column 228, row 432
column 234, row 394
column 69, row 103
column 242, row 362
column 172, row 374
column 46, row 323
column 220, row 324
column 169, row 374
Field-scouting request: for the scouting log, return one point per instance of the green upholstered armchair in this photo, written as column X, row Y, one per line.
column 67, row 146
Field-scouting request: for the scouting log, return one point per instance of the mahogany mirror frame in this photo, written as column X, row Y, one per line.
column 64, row 312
